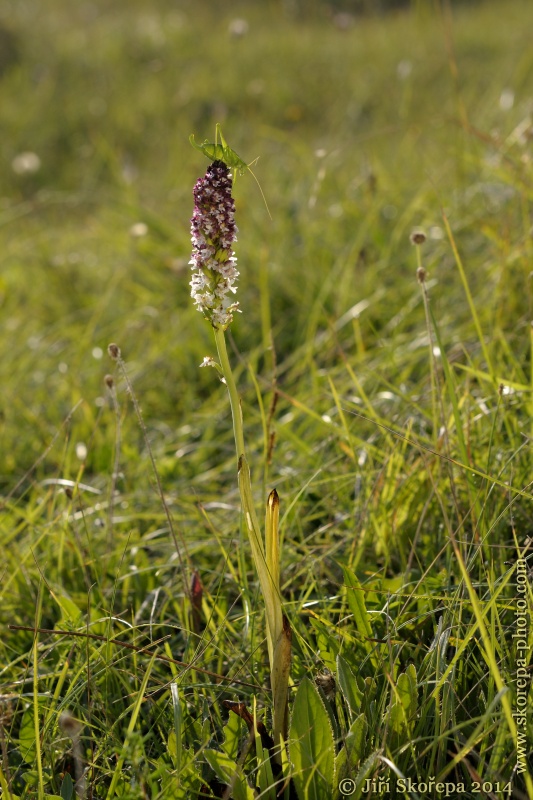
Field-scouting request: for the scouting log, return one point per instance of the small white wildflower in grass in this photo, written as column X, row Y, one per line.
column 238, row 28
column 81, row 451
column 404, row 69
column 26, row 163
column 208, row 362
column 213, row 232
column 507, row 100
column 436, row 232
column 138, row 230
column 343, row 21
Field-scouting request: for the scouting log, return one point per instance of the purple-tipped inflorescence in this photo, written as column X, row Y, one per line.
column 213, row 233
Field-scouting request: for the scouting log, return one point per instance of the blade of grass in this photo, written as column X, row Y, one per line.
column 38, row 612
column 131, row 727
column 470, row 299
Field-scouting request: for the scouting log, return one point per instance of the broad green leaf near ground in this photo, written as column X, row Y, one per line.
column 311, row 745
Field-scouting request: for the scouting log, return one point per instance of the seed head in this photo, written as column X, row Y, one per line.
column 421, row 275
column 213, row 232
column 326, row 682
column 417, row 237
column 113, row 351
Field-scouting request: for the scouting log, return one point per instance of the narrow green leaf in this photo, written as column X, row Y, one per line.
column 171, row 745
column 279, row 678
column 265, row 779
column 407, row 692
column 117, row 773
column 327, row 642
column 413, row 688
column 279, row 637
column 177, row 724
column 26, row 739
column 451, row 386
column 364, row 771
column 348, row 686
column 286, row 772
column 5, row 788
column 356, row 601
column 312, row 745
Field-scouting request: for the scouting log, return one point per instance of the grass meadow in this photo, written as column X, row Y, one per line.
column 386, row 387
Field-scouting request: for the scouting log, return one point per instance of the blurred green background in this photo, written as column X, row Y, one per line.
column 365, row 126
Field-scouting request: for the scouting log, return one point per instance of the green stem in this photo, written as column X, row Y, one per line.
column 234, row 400
column 245, row 486
column 266, row 558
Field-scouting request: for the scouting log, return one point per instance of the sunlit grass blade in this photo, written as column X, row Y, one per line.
column 178, row 723
column 280, row 638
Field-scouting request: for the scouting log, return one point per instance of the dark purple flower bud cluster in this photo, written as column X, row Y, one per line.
column 213, row 232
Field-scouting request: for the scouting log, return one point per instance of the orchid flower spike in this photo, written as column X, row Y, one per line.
column 213, row 232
